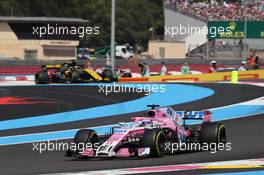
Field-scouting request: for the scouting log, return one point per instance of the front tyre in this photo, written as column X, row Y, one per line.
column 42, row 77
column 82, row 138
column 154, row 139
column 86, row 136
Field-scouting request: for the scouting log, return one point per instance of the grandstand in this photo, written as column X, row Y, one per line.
column 250, row 10
column 201, row 13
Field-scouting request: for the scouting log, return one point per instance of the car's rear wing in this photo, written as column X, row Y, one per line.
column 191, row 115
column 195, row 115
column 180, row 116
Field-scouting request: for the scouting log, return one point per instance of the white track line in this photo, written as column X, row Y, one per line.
column 248, row 163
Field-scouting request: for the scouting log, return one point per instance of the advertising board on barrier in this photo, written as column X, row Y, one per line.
column 236, row 29
column 221, row 76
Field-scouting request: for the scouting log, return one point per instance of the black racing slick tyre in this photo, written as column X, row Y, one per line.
column 41, row 77
column 75, row 75
column 213, row 133
column 107, row 74
column 86, row 136
column 154, row 139
column 82, row 138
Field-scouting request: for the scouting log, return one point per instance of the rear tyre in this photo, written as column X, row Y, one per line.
column 213, row 133
column 107, row 74
column 41, row 77
column 154, row 139
column 75, row 75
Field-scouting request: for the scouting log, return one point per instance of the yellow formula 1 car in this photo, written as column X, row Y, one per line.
column 71, row 73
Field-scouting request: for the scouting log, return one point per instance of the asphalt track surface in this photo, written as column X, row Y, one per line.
column 225, row 94
column 245, row 134
column 54, row 99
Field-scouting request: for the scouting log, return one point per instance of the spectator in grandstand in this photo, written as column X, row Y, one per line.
column 220, row 10
column 253, row 60
column 213, row 67
column 185, row 69
column 242, row 66
column 163, row 70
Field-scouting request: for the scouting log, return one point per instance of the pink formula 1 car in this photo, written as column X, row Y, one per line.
column 150, row 135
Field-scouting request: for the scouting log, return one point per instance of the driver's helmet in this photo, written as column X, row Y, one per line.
column 213, row 62
column 73, row 63
column 43, row 67
column 65, row 64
